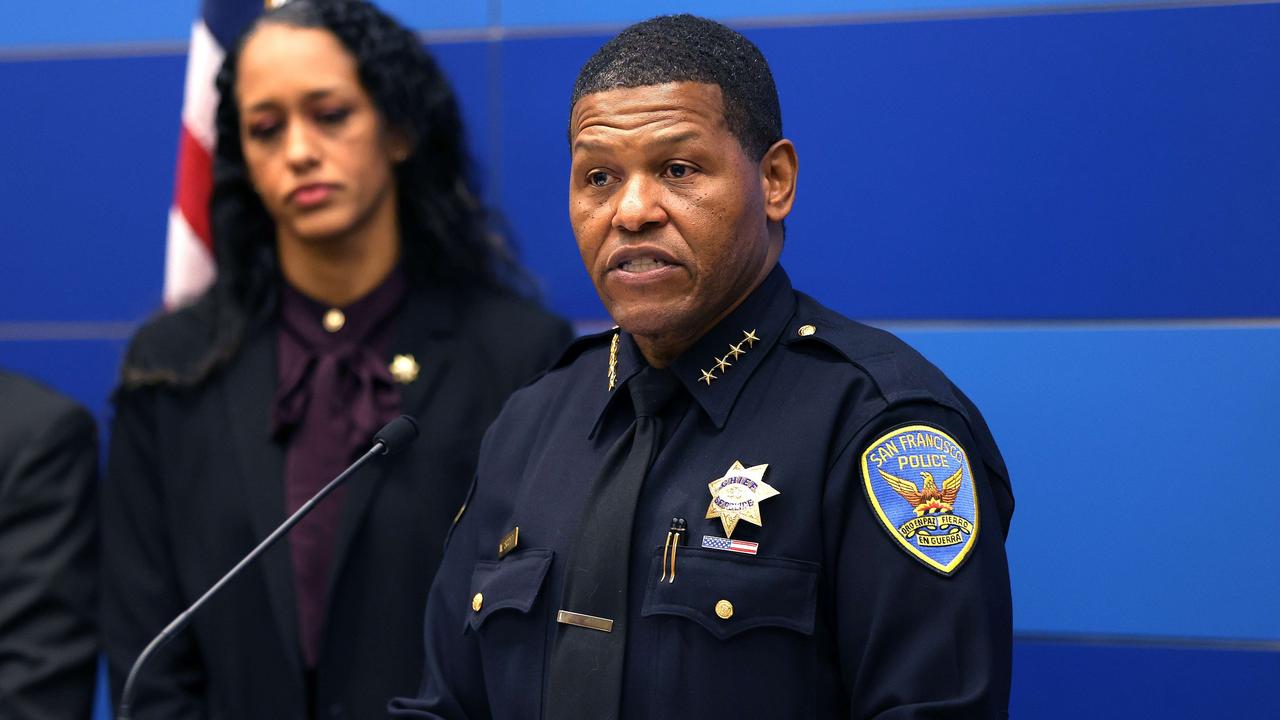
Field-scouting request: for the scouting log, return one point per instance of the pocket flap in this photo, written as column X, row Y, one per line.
column 510, row 583
column 727, row 594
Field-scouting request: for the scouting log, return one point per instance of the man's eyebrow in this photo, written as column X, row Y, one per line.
column 677, row 138
column 587, row 146
column 673, row 139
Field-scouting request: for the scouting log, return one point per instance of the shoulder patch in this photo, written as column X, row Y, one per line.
column 920, row 485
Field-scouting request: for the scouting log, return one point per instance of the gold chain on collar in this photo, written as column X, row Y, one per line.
column 613, row 362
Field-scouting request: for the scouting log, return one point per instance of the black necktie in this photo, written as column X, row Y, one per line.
column 585, row 679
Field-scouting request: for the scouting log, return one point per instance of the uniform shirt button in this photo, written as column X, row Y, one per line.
column 477, row 602
column 724, row 609
column 806, row 330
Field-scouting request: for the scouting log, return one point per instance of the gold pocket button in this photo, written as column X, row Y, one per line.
column 724, row 609
column 477, row 602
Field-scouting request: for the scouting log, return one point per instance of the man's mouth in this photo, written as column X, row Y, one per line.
column 643, row 264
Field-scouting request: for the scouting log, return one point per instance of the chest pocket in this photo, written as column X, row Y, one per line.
column 507, row 620
column 510, row 584
column 729, row 595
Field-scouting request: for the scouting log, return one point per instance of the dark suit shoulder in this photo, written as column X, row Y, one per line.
column 506, row 318
column 551, row 388
column 171, row 344
column 35, row 419
column 515, row 333
column 32, row 408
column 899, row 372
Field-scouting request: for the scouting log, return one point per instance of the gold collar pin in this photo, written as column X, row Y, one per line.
column 404, row 368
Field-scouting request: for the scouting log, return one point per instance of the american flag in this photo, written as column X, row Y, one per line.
column 738, row 546
column 188, row 263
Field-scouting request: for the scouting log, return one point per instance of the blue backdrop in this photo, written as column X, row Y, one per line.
column 1074, row 213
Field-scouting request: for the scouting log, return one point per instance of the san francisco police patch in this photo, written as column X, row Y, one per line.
column 919, row 483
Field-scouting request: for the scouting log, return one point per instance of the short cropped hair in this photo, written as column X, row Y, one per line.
column 685, row 48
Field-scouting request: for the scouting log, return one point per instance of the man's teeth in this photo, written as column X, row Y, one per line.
column 640, row 265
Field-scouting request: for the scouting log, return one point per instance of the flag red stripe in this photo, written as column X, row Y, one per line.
column 194, row 184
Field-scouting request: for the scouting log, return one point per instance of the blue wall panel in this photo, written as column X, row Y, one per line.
column 1142, row 464
column 83, row 369
column 1062, row 166
column 470, row 68
column 1067, row 166
column 69, row 23
column 575, row 12
column 537, row 81
column 88, row 150
column 1137, row 181
column 87, row 172
column 1097, row 681
column 76, row 22
column 1110, row 165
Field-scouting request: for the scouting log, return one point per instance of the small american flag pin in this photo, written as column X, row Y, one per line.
column 739, row 546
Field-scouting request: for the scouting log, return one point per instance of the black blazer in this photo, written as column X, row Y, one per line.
column 194, row 481
column 48, row 553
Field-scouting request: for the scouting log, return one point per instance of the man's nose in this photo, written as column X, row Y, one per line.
column 639, row 204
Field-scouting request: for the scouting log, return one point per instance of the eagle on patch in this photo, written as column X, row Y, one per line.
column 929, row 500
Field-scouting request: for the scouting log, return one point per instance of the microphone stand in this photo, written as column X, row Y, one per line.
column 380, row 447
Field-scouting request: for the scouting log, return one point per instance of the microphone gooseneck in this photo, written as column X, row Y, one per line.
column 393, row 437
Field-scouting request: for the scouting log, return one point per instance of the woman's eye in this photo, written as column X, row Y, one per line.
column 333, row 117
column 598, row 179
column 264, row 131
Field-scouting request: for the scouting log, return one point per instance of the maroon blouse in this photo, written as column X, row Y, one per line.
column 334, row 391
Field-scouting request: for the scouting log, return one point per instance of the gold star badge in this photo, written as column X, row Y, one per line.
column 737, row 496
column 404, row 368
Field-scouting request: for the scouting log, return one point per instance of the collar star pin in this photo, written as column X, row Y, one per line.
column 404, row 368
column 737, row 496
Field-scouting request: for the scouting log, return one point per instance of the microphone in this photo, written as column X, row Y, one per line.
column 393, row 437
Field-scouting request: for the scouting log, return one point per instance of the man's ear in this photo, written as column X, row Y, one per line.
column 778, row 170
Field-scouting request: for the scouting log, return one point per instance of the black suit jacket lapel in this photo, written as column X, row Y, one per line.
column 425, row 330
column 249, row 385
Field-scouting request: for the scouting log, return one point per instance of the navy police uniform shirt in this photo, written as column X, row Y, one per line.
column 845, row 510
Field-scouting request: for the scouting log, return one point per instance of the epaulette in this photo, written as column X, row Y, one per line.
column 900, row 372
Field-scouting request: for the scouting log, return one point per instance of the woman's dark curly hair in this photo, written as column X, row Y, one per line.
column 447, row 237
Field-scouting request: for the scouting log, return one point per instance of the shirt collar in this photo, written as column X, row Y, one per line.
column 305, row 318
column 716, row 368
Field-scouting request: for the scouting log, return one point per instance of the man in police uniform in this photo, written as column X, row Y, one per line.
column 737, row 504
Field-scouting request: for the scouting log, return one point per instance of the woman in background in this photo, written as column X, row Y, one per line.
column 358, row 278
